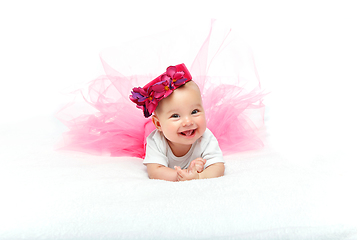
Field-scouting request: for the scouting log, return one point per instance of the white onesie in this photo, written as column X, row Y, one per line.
column 158, row 151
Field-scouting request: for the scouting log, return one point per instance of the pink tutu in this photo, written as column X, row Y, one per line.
column 223, row 68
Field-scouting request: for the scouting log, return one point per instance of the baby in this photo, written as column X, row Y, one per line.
column 181, row 148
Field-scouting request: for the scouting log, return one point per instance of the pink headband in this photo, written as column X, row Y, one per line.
column 148, row 97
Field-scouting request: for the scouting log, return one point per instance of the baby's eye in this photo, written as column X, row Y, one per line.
column 175, row 115
column 195, row 111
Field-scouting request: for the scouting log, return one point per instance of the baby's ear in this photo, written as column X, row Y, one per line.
column 156, row 122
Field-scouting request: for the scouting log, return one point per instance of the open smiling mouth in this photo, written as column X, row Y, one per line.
column 188, row 133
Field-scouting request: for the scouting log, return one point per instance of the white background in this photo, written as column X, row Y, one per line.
column 306, row 52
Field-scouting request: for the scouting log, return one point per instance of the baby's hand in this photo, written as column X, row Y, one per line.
column 186, row 174
column 199, row 164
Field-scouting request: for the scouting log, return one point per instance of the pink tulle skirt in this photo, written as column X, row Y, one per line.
column 106, row 122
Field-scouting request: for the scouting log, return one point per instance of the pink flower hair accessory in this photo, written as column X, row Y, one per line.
column 148, row 97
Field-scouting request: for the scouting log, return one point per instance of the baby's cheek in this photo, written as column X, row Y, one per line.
column 169, row 132
column 203, row 124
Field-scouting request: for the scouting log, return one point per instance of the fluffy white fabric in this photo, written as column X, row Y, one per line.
column 264, row 195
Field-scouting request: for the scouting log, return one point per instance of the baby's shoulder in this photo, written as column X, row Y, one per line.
column 157, row 139
column 207, row 137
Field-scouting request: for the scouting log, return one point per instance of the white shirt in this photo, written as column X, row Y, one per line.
column 158, row 151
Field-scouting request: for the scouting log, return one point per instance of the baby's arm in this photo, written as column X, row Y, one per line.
column 158, row 171
column 213, row 171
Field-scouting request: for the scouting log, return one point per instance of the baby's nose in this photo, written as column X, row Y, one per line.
column 187, row 122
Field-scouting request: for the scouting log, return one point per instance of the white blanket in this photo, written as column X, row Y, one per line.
column 47, row 194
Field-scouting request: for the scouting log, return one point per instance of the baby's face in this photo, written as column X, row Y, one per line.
column 181, row 116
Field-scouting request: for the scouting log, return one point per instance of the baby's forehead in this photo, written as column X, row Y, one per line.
column 181, row 94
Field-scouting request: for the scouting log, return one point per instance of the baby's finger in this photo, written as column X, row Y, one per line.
column 192, row 164
column 180, row 173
